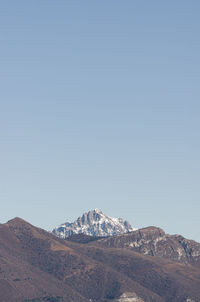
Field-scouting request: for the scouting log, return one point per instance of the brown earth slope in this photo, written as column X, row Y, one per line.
column 36, row 266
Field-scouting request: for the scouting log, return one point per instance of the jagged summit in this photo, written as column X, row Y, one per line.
column 94, row 223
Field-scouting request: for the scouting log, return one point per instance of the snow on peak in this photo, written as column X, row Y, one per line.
column 94, row 223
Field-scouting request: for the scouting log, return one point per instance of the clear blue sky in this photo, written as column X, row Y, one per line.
column 100, row 108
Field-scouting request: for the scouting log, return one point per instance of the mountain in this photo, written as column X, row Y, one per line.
column 154, row 241
column 94, row 223
column 37, row 266
column 23, row 277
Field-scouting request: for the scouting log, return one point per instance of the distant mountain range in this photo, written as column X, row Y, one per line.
column 94, row 223
column 144, row 265
column 149, row 241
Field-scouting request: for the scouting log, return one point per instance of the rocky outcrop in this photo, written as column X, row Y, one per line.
column 129, row 297
column 155, row 242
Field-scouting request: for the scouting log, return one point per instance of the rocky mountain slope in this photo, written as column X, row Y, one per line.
column 37, row 266
column 94, row 223
column 151, row 241
column 154, row 241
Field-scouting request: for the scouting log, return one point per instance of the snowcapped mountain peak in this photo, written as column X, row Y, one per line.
column 94, row 223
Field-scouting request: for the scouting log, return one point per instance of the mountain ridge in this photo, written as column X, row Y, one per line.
column 154, row 241
column 35, row 265
column 96, row 228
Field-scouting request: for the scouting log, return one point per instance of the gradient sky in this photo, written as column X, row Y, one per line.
column 100, row 108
